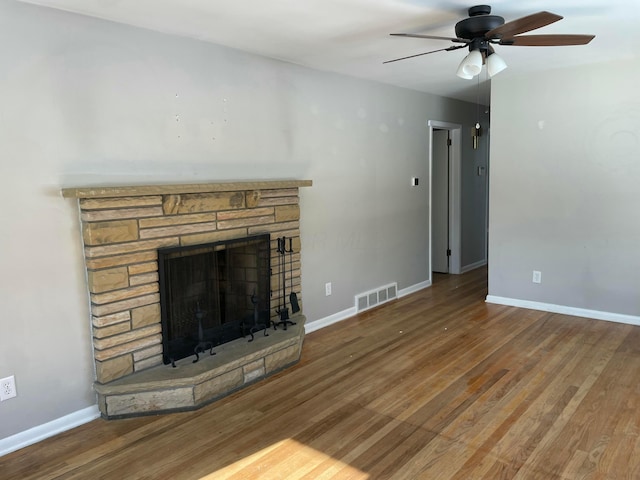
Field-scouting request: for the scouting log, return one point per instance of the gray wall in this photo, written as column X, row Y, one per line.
column 475, row 198
column 565, row 196
column 87, row 102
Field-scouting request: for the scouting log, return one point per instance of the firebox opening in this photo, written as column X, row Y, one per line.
column 212, row 294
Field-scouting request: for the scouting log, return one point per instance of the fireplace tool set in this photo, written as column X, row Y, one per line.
column 282, row 310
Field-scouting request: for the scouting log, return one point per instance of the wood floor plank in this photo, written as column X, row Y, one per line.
column 435, row 385
column 487, row 414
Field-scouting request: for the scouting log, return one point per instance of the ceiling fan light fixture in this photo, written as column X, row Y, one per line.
column 461, row 73
column 495, row 64
column 472, row 63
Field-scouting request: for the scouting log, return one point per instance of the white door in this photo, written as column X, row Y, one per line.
column 440, row 199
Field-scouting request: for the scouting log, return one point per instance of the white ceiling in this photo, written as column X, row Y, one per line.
column 352, row 36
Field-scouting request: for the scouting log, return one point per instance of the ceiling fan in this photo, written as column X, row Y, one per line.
column 482, row 30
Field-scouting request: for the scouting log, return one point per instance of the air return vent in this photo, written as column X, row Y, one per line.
column 378, row 296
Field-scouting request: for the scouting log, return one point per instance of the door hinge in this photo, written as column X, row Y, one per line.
column 448, row 252
column 448, row 142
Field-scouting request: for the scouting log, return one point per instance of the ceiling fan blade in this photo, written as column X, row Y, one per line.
column 523, row 24
column 548, row 40
column 430, row 37
column 454, row 47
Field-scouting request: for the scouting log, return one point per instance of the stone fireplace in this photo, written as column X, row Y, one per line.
column 123, row 228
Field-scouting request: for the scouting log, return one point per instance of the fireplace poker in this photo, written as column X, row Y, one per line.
column 283, row 311
column 293, row 297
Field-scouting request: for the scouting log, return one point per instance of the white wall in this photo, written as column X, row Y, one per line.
column 88, row 102
column 565, row 196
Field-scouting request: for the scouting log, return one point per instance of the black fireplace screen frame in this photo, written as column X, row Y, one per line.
column 212, row 294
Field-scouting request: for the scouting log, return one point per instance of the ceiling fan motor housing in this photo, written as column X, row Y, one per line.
column 479, row 22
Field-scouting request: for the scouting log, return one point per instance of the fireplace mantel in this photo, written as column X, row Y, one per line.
column 122, row 229
column 140, row 190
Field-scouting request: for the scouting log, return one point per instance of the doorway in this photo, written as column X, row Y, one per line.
column 440, row 250
column 445, row 197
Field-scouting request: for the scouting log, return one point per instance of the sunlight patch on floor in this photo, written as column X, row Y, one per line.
column 287, row 459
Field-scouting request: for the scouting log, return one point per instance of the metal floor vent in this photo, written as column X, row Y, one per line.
column 378, row 296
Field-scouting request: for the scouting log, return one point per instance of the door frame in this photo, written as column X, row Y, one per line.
column 455, row 194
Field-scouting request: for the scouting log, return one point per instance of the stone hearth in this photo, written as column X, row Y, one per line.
column 122, row 229
column 191, row 385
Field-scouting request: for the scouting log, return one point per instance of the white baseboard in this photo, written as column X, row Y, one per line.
column 473, row 266
column 350, row 312
column 414, row 288
column 330, row 320
column 565, row 310
column 49, row 429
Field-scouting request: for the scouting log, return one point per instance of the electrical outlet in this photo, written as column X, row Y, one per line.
column 7, row 388
column 327, row 289
column 537, row 277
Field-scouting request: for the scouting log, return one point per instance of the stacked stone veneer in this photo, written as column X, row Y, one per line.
column 122, row 229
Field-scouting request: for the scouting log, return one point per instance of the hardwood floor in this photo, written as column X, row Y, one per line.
column 436, row 385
